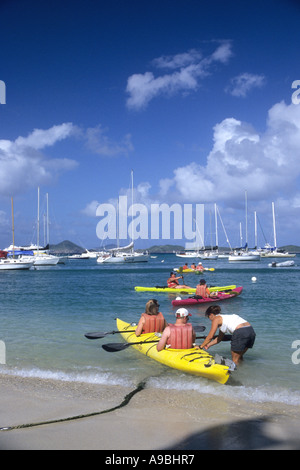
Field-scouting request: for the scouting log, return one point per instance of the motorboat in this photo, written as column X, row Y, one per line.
column 188, row 254
column 277, row 254
column 14, row 263
column 243, row 256
column 283, row 264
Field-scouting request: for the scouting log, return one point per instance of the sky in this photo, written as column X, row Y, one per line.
column 195, row 97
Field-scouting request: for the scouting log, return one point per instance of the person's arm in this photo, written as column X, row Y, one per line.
column 211, row 334
column 194, row 336
column 215, row 341
column 139, row 328
column 163, row 340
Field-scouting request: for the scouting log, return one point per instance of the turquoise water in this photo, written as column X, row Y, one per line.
column 44, row 314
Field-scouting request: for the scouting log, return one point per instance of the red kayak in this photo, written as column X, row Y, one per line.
column 221, row 296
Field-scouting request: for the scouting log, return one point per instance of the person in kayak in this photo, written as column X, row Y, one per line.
column 243, row 335
column 152, row 320
column 180, row 335
column 199, row 267
column 203, row 291
column 174, row 283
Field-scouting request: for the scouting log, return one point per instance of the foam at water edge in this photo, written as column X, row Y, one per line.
column 262, row 394
column 92, row 377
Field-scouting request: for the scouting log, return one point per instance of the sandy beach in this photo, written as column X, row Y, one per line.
column 151, row 420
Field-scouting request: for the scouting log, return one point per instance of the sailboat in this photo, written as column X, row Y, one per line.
column 42, row 257
column 134, row 256
column 244, row 254
column 122, row 254
column 270, row 252
column 14, row 263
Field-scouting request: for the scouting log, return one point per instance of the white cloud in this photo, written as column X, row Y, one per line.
column 23, row 165
column 90, row 209
column 178, row 60
column 241, row 85
column 187, row 69
column 98, row 142
column 40, row 138
column 241, row 158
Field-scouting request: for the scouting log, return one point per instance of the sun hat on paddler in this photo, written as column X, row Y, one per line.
column 182, row 312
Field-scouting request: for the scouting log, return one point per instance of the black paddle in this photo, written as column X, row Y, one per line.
column 115, row 347
column 102, row 334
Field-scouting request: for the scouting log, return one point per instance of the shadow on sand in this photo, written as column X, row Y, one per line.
column 252, row 434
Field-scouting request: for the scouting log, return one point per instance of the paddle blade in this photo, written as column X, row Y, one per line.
column 115, row 347
column 199, row 328
column 227, row 338
column 95, row 335
column 102, row 334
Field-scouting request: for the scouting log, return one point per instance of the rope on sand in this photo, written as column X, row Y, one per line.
column 125, row 402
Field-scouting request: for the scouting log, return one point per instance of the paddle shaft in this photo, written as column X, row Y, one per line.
column 101, row 334
column 115, row 347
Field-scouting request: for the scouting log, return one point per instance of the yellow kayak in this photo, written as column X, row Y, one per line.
column 192, row 361
column 190, row 270
column 181, row 290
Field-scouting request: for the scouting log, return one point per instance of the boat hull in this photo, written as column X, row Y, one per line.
column 14, row 264
column 180, row 290
column 244, row 258
column 191, row 361
column 221, row 296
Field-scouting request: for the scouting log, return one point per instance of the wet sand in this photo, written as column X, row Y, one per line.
column 151, row 420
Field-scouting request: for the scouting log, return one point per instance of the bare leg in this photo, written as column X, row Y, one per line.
column 237, row 356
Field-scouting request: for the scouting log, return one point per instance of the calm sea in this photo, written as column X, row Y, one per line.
column 44, row 314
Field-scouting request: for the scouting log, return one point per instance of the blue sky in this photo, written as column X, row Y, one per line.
column 194, row 96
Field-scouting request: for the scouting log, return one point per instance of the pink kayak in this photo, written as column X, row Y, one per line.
column 221, row 296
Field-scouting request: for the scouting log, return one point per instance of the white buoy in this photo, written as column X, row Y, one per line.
column 253, row 279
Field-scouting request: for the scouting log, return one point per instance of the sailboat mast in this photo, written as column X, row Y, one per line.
column 216, row 223
column 246, row 216
column 255, row 230
column 47, row 212
column 274, row 226
column 132, row 249
column 38, row 222
column 13, row 225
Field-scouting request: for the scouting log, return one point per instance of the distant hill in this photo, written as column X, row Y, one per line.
column 165, row 248
column 290, row 248
column 66, row 247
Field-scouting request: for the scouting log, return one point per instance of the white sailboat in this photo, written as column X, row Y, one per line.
column 221, row 255
column 14, row 263
column 122, row 254
column 134, row 256
column 115, row 255
column 42, row 258
column 270, row 252
column 244, row 254
column 188, row 254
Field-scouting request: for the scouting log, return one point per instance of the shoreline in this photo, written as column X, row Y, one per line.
column 151, row 419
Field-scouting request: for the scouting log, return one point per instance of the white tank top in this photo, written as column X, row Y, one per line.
column 230, row 322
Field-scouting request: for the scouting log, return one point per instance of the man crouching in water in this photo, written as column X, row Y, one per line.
column 181, row 335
